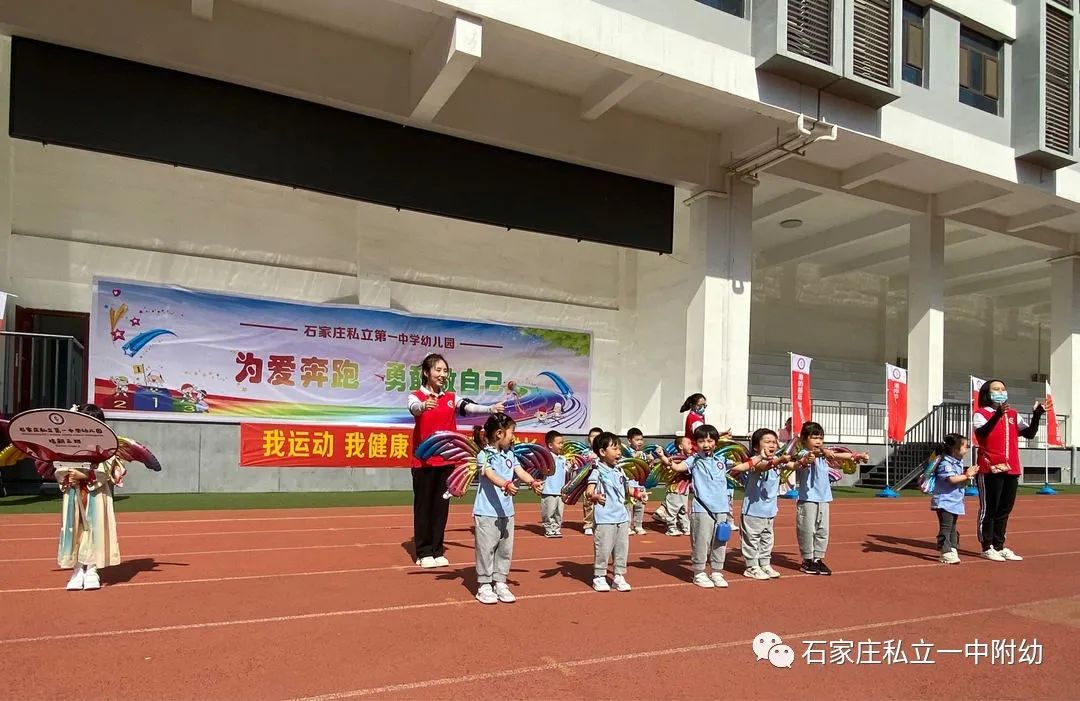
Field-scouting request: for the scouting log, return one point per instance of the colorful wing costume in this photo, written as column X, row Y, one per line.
column 455, row 448
column 129, row 451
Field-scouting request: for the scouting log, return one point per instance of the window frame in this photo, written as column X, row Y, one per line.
column 990, row 53
column 908, row 21
column 718, row 5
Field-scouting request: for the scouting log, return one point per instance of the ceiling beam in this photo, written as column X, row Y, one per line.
column 1035, row 217
column 610, row 90
column 1041, row 309
column 783, row 203
column 442, row 63
column 994, row 263
column 870, row 169
column 887, row 256
column 997, row 282
column 1023, row 299
column 836, row 237
column 828, row 180
column 203, row 9
column 965, row 197
column 990, row 222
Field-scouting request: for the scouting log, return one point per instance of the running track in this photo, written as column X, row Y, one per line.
column 322, row 603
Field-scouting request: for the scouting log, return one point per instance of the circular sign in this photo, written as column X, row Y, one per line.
column 896, row 373
column 56, row 435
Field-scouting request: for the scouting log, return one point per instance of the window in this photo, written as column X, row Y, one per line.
column 914, row 43
column 980, row 79
column 732, row 7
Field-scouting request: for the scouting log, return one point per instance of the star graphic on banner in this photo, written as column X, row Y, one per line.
column 136, row 321
column 118, row 335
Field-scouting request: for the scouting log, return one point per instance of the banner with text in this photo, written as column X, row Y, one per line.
column 896, row 402
column 802, row 409
column 170, row 353
column 1053, row 435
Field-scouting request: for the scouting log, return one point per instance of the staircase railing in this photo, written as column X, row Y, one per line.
column 920, row 439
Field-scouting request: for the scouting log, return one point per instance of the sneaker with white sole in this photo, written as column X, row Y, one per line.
column 600, row 584
column 91, row 580
column 673, row 532
column 755, row 573
column 620, row 583
column 504, row 594
column 949, row 558
column 1010, row 555
column 773, row 574
column 441, row 561
column 640, row 531
column 77, row 578
column 718, row 580
column 702, row 580
column 991, row 554
column 427, row 562
column 588, row 531
column 486, row 595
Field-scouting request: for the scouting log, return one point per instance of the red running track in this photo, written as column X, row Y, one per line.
column 324, row 603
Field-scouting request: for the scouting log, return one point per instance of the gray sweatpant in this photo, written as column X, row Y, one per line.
column 703, row 543
column 675, row 505
column 757, row 540
column 608, row 539
column 494, row 547
column 551, row 511
column 812, row 528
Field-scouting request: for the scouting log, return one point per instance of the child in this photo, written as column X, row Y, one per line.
column 947, row 500
column 586, row 505
column 551, row 503
column 711, row 510
column 674, row 506
column 493, row 510
column 815, row 493
column 608, row 490
column 88, row 527
column 759, row 505
column 636, row 439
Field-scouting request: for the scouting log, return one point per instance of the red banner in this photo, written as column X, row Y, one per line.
column 801, row 405
column 321, row 445
column 1053, row 438
column 896, row 402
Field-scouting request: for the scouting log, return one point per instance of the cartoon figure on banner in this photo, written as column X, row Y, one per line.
column 195, row 398
column 120, row 385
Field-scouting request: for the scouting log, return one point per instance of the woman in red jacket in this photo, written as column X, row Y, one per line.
column 435, row 410
column 998, row 428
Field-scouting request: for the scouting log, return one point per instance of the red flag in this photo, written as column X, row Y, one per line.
column 1052, row 436
column 896, row 402
column 801, row 406
column 976, row 385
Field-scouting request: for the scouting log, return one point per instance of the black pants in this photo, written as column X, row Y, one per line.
column 997, row 494
column 429, row 510
column 947, row 536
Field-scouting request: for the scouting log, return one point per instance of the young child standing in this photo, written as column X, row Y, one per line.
column 586, row 505
column 636, row 439
column 710, row 513
column 759, row 507
column 493, row 510
column 674, row 506
column 551, row 503
column 947, row 499
column 607, row 490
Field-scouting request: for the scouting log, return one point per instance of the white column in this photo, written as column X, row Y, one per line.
column 718, row 316
column 989, row 334
column 926, row 316
column 1065, row 340
column 6, row 167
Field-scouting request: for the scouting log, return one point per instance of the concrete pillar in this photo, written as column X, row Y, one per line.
column 718, row 316
column 926, row 316
column 6, row 169
column 989, row 333
column 1065, row 340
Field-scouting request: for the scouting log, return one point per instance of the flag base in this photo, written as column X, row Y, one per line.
column 971, row 491
column 790, row 494
column 888, row 493
column 1047, row 489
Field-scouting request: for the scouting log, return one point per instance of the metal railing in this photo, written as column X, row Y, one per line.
column 39, row 371
column 851, row 422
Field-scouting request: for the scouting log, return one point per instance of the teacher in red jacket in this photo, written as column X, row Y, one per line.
column 434, row 410
column 998, row 428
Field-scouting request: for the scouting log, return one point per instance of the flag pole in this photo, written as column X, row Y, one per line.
column 971, row 490
column 1046, row 490
column 888, row 492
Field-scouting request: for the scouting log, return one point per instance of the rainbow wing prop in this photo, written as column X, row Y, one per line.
column 624, row 449
column 574, row 488
column 456, row 449
column 733, row 452
column 535, row 459
column 848, row 460
column 576, row 448
column 131, row 451
column 635, row 469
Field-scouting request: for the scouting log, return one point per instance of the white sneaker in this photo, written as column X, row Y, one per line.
column 485, row 595
column 773, row 574
column 950, row 558
column 755, row 573
column 719, row 581
column 1010, row 555
column 640, row 531
column 427, row 562
column 588, row 531
column 620, row 583
column 77, row 578
column 702, row 580
column 441, row 561
column 600, row 584
column 991, row 554
column 91, row 580
column 673, row 531
column 504, row 594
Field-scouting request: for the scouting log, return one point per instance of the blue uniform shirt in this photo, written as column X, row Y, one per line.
column 762, row 489
column 554, row 482
column 813, row 482
column 612, row 484
column 491, row 500
column 708, row 478
column 948, row 496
